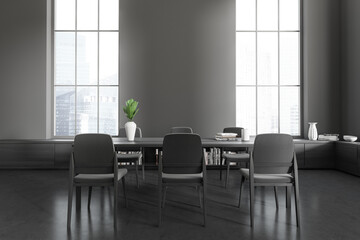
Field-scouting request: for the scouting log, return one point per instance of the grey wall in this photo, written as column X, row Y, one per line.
column 321, row 65
column 22, row 68
column 178, row 60
column 350, row 68
column 174, row 51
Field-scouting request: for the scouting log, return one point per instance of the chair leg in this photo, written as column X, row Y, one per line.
column 199, row 192
column 297, row 204
column 288, row 197
column 137, row 173
column 227, row 173
column 124, row 189
column 164, row 197
column 241, row 188
column 276, row 197
column 251, row 204
column 89, row 197
column 70, row 198
column 204, row 203
column 115, row 204
column 143, row 169
column 159, row 203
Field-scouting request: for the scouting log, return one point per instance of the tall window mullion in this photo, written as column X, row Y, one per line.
column 268, row 66
column 86, row 69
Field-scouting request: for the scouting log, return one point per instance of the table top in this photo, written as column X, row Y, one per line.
column 158, row 142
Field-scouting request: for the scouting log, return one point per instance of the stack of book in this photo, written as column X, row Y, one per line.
column 328, row 137
column 225, row 136
column 213, row 157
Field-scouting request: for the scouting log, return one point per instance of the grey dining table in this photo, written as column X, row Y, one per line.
column 157, row 142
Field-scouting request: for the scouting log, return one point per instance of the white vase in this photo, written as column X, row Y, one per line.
column 245, row 135
column 312, row 134
column 130, row 129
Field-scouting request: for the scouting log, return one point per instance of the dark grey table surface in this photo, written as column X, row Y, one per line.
column 156, row 142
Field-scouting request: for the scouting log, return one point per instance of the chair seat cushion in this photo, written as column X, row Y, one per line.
column 99, row 178
column 268, row 178
column 123, row 157
column 237, row 157
column 179, row 178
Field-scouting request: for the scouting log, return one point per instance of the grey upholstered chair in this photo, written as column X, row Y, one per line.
column 182, row 163
column 93, row 163
column 132, row 155
column 239, row 156
column 272, row 163
column 181, row 130
column 175, row 130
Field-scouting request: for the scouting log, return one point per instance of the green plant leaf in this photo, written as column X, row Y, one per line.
column 131, row 108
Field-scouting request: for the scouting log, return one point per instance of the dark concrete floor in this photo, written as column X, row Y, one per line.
column 33, row 205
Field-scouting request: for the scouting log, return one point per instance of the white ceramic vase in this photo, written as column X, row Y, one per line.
column 130, row 129
column 245, row 135
column 313, row 133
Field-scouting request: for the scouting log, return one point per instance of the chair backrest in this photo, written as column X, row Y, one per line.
column 182, row 153
column 273, row 153
column 238, row 131
column 93, row 153
column 122, row 133
column 181, row 130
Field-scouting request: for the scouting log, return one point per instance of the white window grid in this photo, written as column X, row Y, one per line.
column 75, row 86
column 256, row 86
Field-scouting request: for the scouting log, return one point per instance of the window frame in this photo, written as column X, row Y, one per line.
column 278, row 85
column 51, row 49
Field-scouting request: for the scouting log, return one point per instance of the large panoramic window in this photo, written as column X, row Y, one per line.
column 268, row 66
column 86, row 66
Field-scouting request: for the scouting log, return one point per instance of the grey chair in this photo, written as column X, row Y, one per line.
column 132, row 154
column 175, row 130
column 182, row 163
column 236, row 155
column 272, row 163
column 93, row 163
column 181, row 130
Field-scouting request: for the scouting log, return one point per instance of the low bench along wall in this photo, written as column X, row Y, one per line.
column 55, row 154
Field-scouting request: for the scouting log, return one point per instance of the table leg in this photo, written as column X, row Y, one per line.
column 288, row 196
column 221, row 163
column 143, row 164
column 78, row 198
